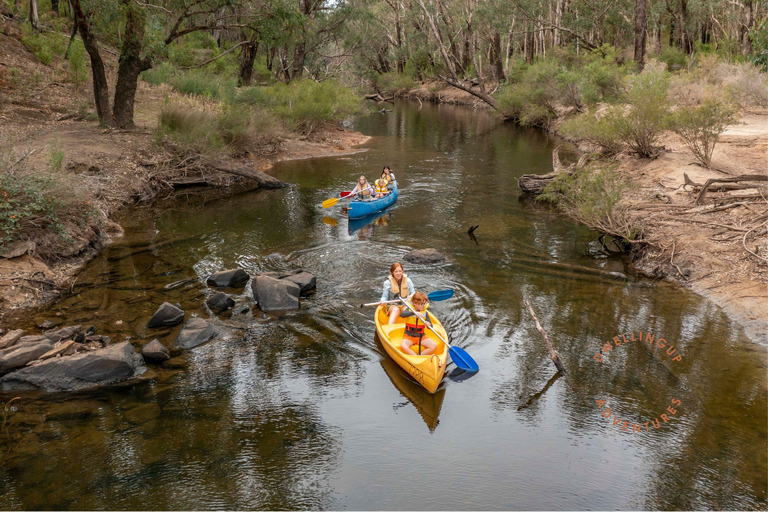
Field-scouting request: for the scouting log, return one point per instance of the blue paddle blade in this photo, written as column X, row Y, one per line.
column 462, row 360
column 440, row 295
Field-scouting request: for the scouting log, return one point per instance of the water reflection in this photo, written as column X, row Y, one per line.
column 295, row 412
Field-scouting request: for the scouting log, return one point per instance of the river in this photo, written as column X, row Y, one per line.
column 307, row 411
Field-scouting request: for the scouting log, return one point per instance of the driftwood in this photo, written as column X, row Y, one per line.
column 264, row 180
column 735, row 183
column 535, row 183
column 379, row 97
column 552, row 354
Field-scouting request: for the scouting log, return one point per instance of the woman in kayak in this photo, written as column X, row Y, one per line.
column 414, row 333
column 363, row 189
column 388, row 175
column 397, row 285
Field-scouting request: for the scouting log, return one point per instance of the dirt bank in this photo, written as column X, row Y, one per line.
column 42, row 117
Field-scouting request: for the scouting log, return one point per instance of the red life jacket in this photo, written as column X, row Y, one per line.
column 414, row 328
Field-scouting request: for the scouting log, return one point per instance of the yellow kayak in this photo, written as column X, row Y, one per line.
column 426, row 370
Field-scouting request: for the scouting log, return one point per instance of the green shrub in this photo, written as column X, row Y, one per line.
column 592, row 196
column 44, row 45
column 600, row 132
column 25, row 201
column 235, row 130
column 200, row 82
column 602, row 80
column 759, row 36
column 390, row 83
column 674, row 58
column 78, row 73
column 533, row 99
column 304, row 104
column 641, row 124
column 161, row 74
column 56, row 160
column 700, row 126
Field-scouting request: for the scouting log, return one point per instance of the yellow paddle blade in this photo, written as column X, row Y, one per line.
column 330, row 202
column 330, row 221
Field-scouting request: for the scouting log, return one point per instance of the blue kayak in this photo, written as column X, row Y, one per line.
column 359, row 209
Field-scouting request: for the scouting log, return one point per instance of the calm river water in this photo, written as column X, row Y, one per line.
column 307, row 411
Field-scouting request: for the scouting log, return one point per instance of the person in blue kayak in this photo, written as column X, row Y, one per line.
column 388, row 175
column 397, row 285
column 363, row 189
column 380, row 187
column 415, row 340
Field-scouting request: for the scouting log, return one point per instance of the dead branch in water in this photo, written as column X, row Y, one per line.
column 552, row 354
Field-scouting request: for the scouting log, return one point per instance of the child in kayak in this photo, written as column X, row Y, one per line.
column 381, row 187
column 388, row 175
column 415, row 327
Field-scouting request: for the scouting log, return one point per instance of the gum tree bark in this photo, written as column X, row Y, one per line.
column 100, row 86
column 640, row 26
column 131, row 65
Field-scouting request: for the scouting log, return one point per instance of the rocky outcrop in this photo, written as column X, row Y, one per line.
column 62, row 334
column 226, row 278
column 274, row 294
column 195, row 332
column 155, row 351
column 424, row 256
column 306, row 281
column 220, row 302
column 19, row 355
column 11, row 338
column 166, row 315
column 113, row 364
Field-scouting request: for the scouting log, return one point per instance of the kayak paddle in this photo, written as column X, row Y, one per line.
column 332, row 201
column 460, row 358
column 435, row 296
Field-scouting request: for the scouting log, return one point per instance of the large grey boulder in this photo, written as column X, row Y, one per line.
column 166, row 315
column 195, row 332
column 224, row 278
column 275, row 294
column 220, row 302
column 306, row 281
column 115, row 363
column 22, row 354
column 11, row 338
column 424, row 256
column 155, row 351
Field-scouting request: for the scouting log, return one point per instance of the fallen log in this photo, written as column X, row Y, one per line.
column 552, row 354
column 535, row 183
column 379, row 97
column 264, row 180
column 735, row 179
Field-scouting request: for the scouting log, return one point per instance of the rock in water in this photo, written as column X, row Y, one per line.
column 424, row 256
column 166, row 315
column 275, row 294
column 22, row 354
column 224, row 278
column 80, row 371
column 11, row 338
column 195, row 332
column 155, row 351
column 62, row 334
column 306, row 281
column 220, row 302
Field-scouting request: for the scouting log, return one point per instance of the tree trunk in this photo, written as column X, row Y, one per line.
column 496, row 61
column 100, row 86
column 530, row 42
column 34, row 19
column 640, row 25
column 131, row 65
column 247, row 58
column 746, row 41
column 656, row 39
column 55, row 6
column 299, row 54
